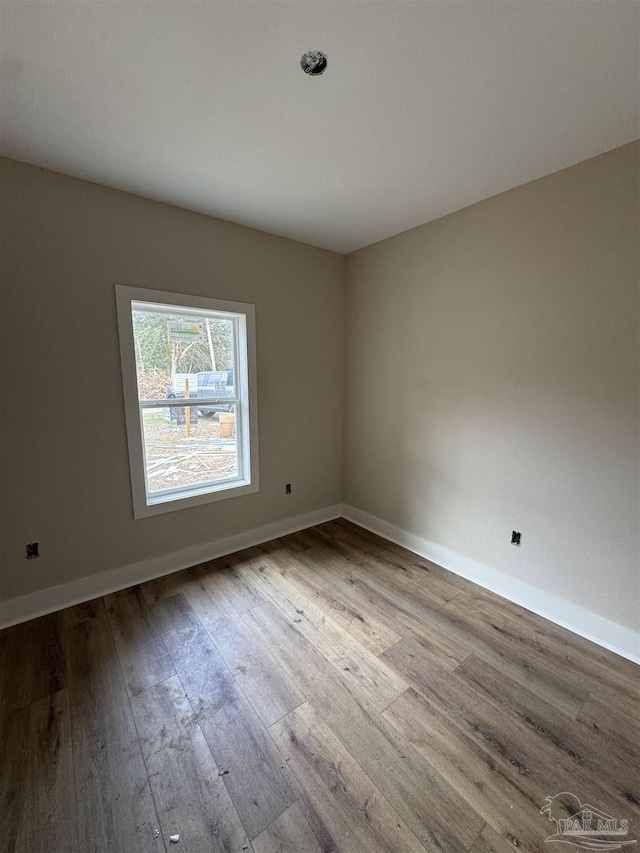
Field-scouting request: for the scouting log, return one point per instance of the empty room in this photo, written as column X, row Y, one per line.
column 320, row 434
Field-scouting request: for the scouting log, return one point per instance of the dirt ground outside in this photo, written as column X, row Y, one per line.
column 175, row 459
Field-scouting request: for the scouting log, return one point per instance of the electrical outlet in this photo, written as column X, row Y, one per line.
column 515, row 537
column 32, row 550
column 287, row 489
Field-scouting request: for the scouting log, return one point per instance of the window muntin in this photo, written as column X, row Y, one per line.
column 189, row 381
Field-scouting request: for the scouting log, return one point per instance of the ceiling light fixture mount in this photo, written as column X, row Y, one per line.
column 313, row 62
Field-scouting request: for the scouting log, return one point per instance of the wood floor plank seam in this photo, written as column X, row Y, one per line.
column 189, row 810
column 73, row 765
column 200, row 716
column 462, row 662
column 103, row 733
column 393, row 770
column 475, row 840
column 275, row 696
column 335, row 643
column 231, row 675
column 133, row 717
column 151, row 686
column 75, row 759
column 302, row 835
column 575, row 717
column 355, row 762
column 382, row 710
column 196, row 720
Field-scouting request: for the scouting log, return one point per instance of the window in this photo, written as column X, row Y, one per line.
column 188, row 370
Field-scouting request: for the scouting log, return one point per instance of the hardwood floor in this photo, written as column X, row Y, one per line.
column 329, row 691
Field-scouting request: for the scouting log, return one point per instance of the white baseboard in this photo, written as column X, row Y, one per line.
column 617, row 638
column 54, row 598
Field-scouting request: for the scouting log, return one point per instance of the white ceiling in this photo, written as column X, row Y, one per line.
column 425, row 108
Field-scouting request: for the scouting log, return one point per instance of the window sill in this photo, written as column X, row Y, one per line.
column 194, row 497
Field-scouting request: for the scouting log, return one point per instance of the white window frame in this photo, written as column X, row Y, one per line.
column 147, row 503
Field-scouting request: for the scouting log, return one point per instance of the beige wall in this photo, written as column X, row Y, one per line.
column 491, row 368
column 65, row 476
column 492, row 383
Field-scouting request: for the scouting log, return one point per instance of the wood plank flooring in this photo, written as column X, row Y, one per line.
column 328, row 691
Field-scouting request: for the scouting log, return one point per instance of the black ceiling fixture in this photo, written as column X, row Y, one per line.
column 313, row 62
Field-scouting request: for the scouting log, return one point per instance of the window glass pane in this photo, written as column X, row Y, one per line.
column 179, row 350
column 183, row 453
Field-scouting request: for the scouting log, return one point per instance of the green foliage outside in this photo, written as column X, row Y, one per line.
column 154, row 350
column 158, row 359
